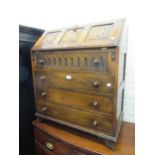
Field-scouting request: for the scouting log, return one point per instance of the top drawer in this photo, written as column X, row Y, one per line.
column 48, row 145
column 92, row 59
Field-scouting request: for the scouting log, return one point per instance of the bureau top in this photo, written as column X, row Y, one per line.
column 107, row 34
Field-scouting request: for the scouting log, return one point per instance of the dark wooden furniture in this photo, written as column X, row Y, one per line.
column 79, row 77
column 27, row 37
column 52, row 139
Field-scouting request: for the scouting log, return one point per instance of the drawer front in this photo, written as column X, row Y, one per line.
column 77, row 100
column 41, row 150
column 72, row 60
column 95, row 122
column 88, row 82
column 47, row 145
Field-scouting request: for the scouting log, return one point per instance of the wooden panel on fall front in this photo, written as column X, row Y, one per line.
column 94, row 35
column 64, row 140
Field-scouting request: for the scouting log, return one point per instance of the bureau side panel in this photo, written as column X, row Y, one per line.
column 120, row 90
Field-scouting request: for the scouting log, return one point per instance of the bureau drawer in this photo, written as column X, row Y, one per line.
column 66, row 115
column 47, row 145
column 77, row 100
column 76, row 81
column 92, row 59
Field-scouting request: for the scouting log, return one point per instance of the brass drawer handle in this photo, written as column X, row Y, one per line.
column 41, row 61
column 49, row 146
column 96, row 84
column 43, row 94
column 95, row 104
column 42, row 77
column 43, row 109
column 95, row 123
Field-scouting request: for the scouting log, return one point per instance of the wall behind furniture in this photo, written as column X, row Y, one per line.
column 58, row 14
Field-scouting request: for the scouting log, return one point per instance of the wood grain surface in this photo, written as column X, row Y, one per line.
column 85, row 143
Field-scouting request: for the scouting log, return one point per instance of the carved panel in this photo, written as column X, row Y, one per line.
column 50, row 38
column 73, row 60
column 98, row 32
column 71, row 36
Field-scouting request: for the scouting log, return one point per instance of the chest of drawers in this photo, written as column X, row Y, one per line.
column 52, row 139
column 79, row 77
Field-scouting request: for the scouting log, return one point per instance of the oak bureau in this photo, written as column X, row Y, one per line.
column 79, row 77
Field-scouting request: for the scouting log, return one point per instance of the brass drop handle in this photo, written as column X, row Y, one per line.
column 96, row 61
column 41, row 61
column 96, row 84
column 49, row 145
column 95, row 103
column 95, row 123
column 43, row 109
column 43, row 94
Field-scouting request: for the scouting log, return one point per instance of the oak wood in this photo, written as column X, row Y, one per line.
column 77, row 117
column 106, row 34
column 86, row 102
column 72, row 59
column 86, row 143
column 78, row 81
column 73, row 67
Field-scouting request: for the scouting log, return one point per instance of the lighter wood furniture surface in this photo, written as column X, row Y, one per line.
column 67, row 141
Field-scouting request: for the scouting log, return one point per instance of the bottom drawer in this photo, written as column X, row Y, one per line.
column 73, row 117
column 46, row 145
